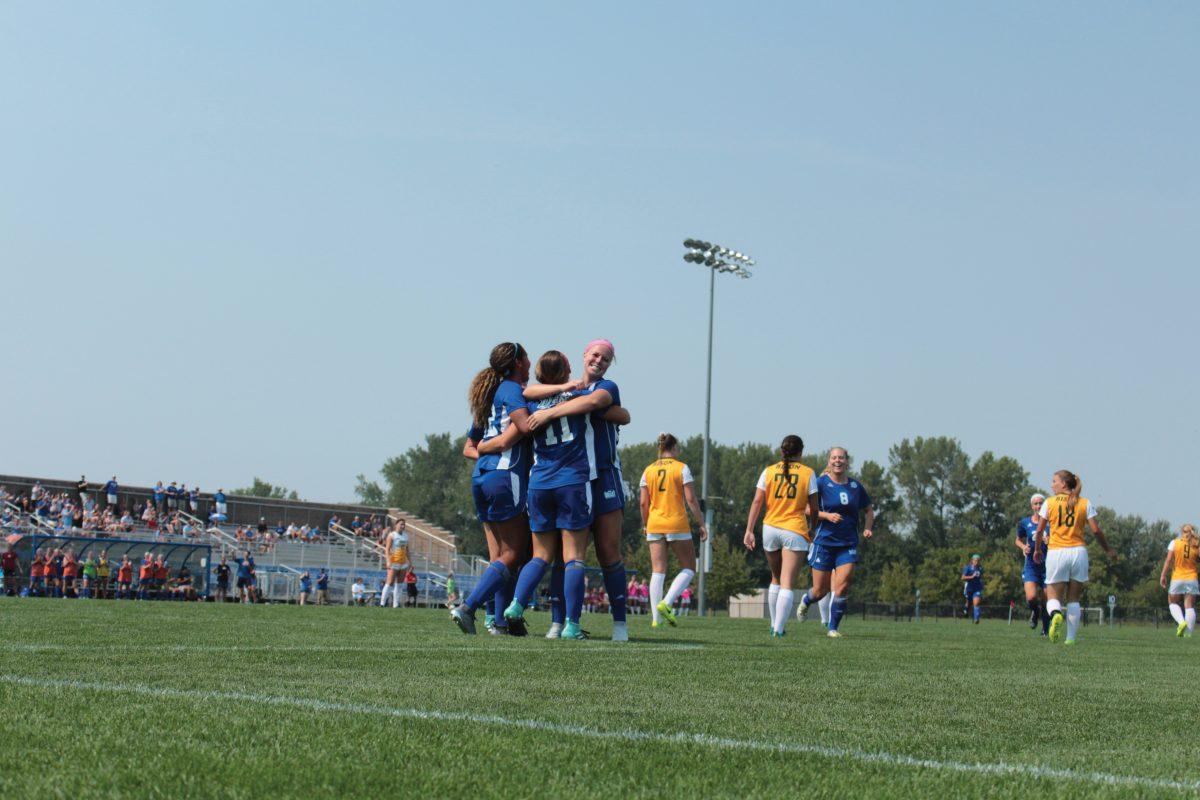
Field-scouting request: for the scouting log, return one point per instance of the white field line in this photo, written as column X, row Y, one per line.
column 592, row 647
column 628, row 735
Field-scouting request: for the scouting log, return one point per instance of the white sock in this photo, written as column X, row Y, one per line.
column 383, row 597
column 772, row 599
column 783, row 609
column 1072, row 620
column 1190, row 616
column 681, row 582
column 395, row 595
column 1176, row 612
column 657, row 580
column 824, row 603
column 1052, row 606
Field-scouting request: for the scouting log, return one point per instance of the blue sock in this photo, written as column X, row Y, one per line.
column 1045, row 620
column 558, row 604
column 495, row 576
column 807, row 599
column 614, row 585
column 975, row 612
column 573, row 589
column 836, row 609
column 503, row 597
column 527, row 582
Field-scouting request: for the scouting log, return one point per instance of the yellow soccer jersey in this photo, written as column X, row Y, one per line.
column 787, row 496
column 397, row 548
column 665, row 479
column 1066, row 522
column 1187, row 559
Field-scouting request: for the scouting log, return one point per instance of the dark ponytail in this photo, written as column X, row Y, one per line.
column 666, row 443
column 503, row 361
column 791, row 448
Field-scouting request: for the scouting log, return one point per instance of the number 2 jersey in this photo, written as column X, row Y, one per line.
column 564, row 450
column 848, row 499
column 664, row 480
column 787, row 496
column 1066, row 521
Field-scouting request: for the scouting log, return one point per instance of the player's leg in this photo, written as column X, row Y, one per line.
column 1056, row 592
column 575, row 544
column 791, row 559
column 818, row 559
column 558, row 602
column 1031, row 601
column 1074, row 592
column 545, row 547
column 775, row 565
column 1189, row 613
column 685, row 552
column 606, row 531
column 976, row 607
column 843, row 576
column 1175, row 606
column 658, row 576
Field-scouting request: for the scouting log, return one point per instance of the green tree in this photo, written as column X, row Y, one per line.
column 730, row 575
column 997, row 495
column 940, row 572
column 1002, row 577
column 260, row 488
column 934, row 481
column 896, row 585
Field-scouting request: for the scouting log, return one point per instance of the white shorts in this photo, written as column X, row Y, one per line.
column 780, row 539
column 1067, row 564
column 398, row 567
column 112, row 499
column 669, row 537
column 1184, row 587
column 221, row 508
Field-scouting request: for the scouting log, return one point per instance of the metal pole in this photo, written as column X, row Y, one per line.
column 701, row 600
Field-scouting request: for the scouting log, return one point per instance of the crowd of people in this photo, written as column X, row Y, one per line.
column 61, row 573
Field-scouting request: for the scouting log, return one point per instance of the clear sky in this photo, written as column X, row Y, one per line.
column 277, row 239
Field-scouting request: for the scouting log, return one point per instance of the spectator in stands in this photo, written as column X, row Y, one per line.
column 356, row 525
column 222, row 507
column 124, row 578
column 183, row 588
column 82, row 488
column 103, row 573
column 70, row 571
column 305, row 587
column 358, row 592
column 410, row 586
column 222, row 580
column 88, row 577
column 194, row 500
column 127, row 524
column 334, row 521
column 322, row 588
column 10, row 567
column 172, row 497
column 160, row 497
column 110, row 491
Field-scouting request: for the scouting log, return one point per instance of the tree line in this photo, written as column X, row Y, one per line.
column 934, row 507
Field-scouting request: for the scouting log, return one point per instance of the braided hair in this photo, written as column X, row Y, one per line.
column 791, row 448
column 504, row 359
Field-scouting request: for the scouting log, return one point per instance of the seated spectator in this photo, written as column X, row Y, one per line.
column 183, row 588
column 358, row 592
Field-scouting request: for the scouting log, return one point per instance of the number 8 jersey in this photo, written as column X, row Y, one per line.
column 787, row 496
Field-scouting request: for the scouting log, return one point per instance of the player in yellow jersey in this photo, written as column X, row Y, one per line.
column 395, row 543
column 667, row 491
column 1183, row 559
column 788, row 490
column 1063, row 518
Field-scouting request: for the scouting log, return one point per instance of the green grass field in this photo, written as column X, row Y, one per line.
column 104, row 699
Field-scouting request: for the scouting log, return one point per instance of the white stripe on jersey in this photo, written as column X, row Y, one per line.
column 589, row 439
column 505, row 457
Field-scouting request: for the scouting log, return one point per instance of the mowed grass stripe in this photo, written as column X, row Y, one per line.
column 626, row 735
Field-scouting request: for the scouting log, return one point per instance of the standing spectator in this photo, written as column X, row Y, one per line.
column 305, row 587
column 262, row 528
column 410, row 585
column 322, row 588
column 161, row 573
column 173, row 497
column 160, row 495
column 82, row 486
column 194, row 500
column 358, row 591
column 222, row 580
column 37, row 575
column 245, row 576
column 70, row 570
column 222, row 508
column 9, row 566
column 110, row 492
column 103, row 572
column 124, row 578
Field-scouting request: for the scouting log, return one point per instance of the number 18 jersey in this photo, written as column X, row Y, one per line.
column 1066, row 521
column 787, row 496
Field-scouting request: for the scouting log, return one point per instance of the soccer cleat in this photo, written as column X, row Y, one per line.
column 1181, row 629
column 555, row 630
column 1069, row 643
column 1187, row 635
column 832, row 634
column 1057, row 623
column 498, row 630
column 776, row 634
column 802, row 608
column 666, row 612
column 464, row 619
column 653, row 624
column 489, row 620
column 515, row 615
column 572, row 631
column 620, row 632
column 1033, row 619
column 977, row 620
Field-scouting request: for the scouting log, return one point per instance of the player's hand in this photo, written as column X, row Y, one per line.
column 703, row 532
column 832, row 516
column 577, row 385
column 867, row 533
column 1162, row 581
column 537, row 419
column 1025, row 549
column 748, row 540
column 1038, row 556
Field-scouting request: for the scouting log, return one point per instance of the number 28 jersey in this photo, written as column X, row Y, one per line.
column 1066, row 521
column 787, row 496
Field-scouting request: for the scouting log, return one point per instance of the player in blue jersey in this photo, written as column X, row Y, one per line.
column 1034, row 572
column 601, row 399
column 972, row 577
column 500, row 480
column 834, row 550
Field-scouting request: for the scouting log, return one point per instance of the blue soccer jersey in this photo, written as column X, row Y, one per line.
column 564, row 450
column 507, row 399
column 975, row 585
column 1027, row 532
column 607, row 434
column 848, row 499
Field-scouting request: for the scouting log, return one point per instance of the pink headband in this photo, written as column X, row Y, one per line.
column 604, row 342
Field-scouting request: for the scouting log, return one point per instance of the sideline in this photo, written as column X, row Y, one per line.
column 630, row 735
column 591, row 647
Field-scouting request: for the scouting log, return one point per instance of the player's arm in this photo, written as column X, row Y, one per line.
column 1168, row 562
column 814, row 510
column 584, row 404
column 644, row 504
column 617, row 415
column 471, row 449
column 868, row 522
column 540, row 391
column 689, row 497
column 756, row 506
column 1099, row 534
column 519, row 427
column 1022, row 541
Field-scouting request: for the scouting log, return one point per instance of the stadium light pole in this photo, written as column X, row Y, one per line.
column 716, row 259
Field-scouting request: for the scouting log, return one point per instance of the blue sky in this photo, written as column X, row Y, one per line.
column 278, row 239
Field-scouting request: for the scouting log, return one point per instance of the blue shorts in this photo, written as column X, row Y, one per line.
column 827, row 557
column 608, row 491
column 1035, row 575
column 971, row 594
column 564, row 508
column 499, row 495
